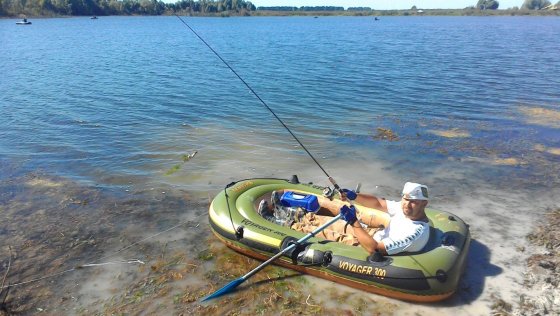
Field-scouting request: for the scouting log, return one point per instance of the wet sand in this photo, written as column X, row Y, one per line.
column 53, row 228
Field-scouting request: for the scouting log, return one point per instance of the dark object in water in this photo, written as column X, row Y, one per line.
column 23, row 22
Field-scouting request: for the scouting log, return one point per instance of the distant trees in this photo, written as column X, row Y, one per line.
column 305, row 8
column 321, row 8
column 355, row 8
column 535, row 4
column 145, row 7
column 278, row 8
column 119, row 7
column 487, row 5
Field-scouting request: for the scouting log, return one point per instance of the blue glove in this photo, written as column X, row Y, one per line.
column 351, row 195
column 349, row 214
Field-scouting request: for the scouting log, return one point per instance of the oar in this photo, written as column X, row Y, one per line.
column 235, row 283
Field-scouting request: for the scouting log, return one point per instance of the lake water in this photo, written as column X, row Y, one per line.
column 469, row 106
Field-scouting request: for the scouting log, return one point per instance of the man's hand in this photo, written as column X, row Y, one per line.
column 349, row 194
column 349, row 214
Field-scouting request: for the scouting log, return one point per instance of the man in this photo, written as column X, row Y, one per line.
column 408, row 229
column 405, row 230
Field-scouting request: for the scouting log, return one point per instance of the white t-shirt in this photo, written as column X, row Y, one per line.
column 402, row 234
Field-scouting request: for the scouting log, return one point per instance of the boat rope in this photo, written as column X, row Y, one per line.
column 96, row 262
column 430, row 275
column 261, row 100
column 142, row 240
column 236, row 230
column 3, row 303
column 131, row 261
column 228, row 207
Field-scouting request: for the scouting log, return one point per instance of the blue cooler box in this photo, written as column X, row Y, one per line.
column 308, row 202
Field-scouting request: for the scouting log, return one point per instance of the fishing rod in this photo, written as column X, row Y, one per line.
column 233, row 284
column 262, row 101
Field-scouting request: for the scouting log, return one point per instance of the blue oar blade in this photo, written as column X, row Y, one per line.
column 226, row 289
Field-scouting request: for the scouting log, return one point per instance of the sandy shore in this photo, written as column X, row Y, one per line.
column 542, row 275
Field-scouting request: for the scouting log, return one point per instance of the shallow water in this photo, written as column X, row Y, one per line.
column 104, row 111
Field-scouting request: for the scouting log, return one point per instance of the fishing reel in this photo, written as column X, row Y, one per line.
column 329, row 192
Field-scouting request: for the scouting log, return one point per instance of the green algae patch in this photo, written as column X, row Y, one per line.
column 177, row 167
column 541, row 116
column 206, row 255
column 172, row 170
column 452, row 133
column 497, row 161
column 43, row 182
column 508, row 161
column 386, row 134
column 554, row 151
column 550, row 150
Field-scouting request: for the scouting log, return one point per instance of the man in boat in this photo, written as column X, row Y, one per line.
column 401, row 226
column 408, row 228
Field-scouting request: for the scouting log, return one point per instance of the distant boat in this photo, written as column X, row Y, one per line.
column 23, row 22
column 376, row 19
column 93, row 17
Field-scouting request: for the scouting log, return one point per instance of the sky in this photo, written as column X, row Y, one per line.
column 385, row 4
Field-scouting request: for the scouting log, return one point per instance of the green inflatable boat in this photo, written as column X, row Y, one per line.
column 426, row 276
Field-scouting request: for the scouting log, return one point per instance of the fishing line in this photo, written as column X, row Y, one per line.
column 94, row 263
column 72, row 269
column 261, row 100
column 141, row 240
column 236, row 231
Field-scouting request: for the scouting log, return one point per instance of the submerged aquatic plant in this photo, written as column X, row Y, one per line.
column 450, row 133
column 205, row 255
column 540, row 116
column 184, row 158
column 386, row 134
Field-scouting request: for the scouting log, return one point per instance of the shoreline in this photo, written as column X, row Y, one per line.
column 73, row 224
column 542, row 274
column 372, row 13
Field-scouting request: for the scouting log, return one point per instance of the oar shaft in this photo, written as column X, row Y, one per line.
column 235, row 283
column 290, row 247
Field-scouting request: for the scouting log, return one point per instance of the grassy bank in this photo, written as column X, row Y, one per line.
column 433, row 12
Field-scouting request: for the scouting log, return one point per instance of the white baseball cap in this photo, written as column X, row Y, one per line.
column 415, row 191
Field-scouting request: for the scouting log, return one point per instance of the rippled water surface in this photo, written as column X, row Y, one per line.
column 468, row 105
column 126, row 96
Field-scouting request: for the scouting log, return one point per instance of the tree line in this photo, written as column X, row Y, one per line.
column 527, row 4
column 192, row 7
column 304, row 8
column 120, row 7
